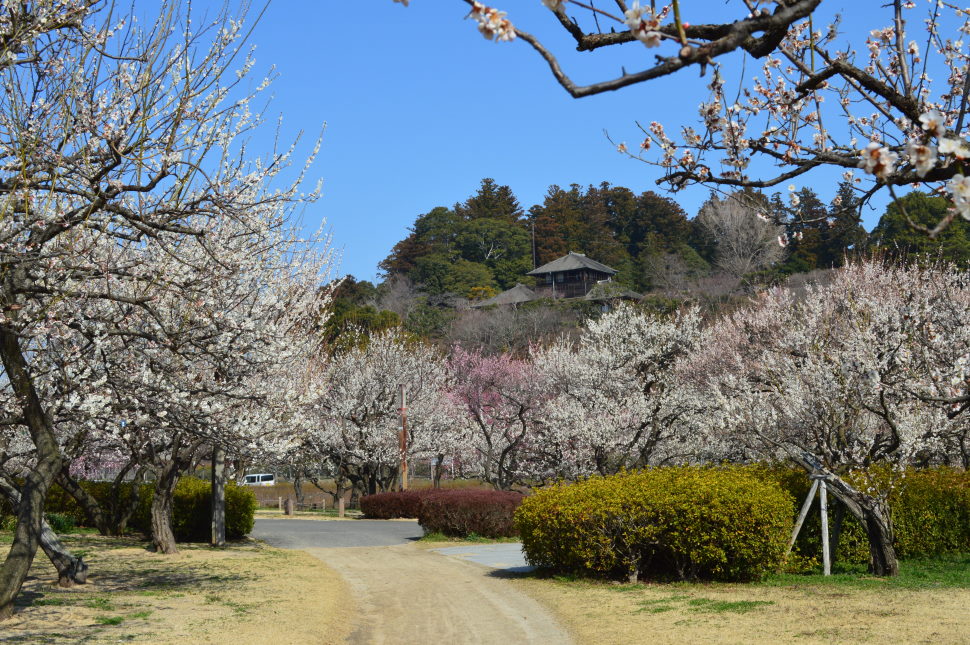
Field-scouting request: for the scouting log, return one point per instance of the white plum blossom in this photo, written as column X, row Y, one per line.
column 618, row 399
column 959, row 189
column 878, row 160
column 852, row 372
column 956, row 147
column 933, row 122
column 813, row 99
column 922, row 156
column 644, row 23
column 492, row 23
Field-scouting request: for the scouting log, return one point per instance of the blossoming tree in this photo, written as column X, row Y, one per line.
column 616, row 399
column 502, row 399
column 836, row 381
column 355, row 403
column 121, row 168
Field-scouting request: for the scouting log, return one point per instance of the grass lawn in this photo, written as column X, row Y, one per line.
column 927, row 603
column 246, row 592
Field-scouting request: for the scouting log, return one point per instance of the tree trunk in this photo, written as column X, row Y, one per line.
column 30, row 511
column 163, row 538
column 218, row 496
column 92, row 508
column 124, row 506
column 298, row 489
column 70, row 570
column 436, row 480
column 879, row 530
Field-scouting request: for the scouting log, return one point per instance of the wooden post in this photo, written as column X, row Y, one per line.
column 801, row 516
column 218, row 497
column 340, row 507
column 288, row 506
column 280, row 501
column 826, row 560
column 403, row 437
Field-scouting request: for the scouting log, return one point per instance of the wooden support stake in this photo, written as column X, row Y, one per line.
column 826, row 559
column 340, row 507
column 801, row 516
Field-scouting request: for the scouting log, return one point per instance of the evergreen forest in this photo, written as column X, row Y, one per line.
column 735, row 244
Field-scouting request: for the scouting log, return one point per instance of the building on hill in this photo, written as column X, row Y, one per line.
column 571, row 276
column 514, row 296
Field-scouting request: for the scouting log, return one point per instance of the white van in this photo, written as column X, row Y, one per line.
column 259, row 479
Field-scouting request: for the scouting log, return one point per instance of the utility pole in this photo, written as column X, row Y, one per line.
column 534, row 265
column 403, row 438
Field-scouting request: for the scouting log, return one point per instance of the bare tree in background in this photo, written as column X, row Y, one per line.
column 746, row 241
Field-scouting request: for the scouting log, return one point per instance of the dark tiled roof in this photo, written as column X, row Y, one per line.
column 571, row 262
column 518, row 293
column 611, row 291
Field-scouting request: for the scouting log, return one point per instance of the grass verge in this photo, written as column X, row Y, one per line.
column 473, row 538
column 926, row 603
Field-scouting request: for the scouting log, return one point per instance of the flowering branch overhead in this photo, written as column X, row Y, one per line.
column 893, row 105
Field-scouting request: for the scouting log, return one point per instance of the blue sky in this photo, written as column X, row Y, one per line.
column 419, row 108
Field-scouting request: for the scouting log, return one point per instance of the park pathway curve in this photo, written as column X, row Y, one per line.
column 406, row 594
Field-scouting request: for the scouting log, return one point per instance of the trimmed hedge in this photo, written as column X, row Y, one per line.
column 392, row 505
column 682, row 523
column 461, row 513
column 191, row 511
column 930, row 509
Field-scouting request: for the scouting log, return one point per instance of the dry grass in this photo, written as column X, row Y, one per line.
column 599, row 612
column 246, row 592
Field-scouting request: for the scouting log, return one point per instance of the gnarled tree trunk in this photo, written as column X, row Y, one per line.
column 30, row 511
column 163, row 538
column 70, row 570
column 92, row 508
column 871, row 511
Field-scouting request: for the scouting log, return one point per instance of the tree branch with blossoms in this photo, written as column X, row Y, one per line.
column 875, row 110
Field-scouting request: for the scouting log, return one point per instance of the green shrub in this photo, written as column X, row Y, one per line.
column 60, row 523
column 461, row 513
column 192, row 511
column 684, row 523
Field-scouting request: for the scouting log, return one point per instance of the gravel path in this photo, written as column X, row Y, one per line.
column 405, row 594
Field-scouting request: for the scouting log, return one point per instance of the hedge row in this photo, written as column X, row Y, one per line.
column 680, row 523
column 455, row 513
column 191, row 513
column 460, row 513
column 392, row 505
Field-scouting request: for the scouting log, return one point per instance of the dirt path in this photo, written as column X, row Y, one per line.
column 407, row 595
